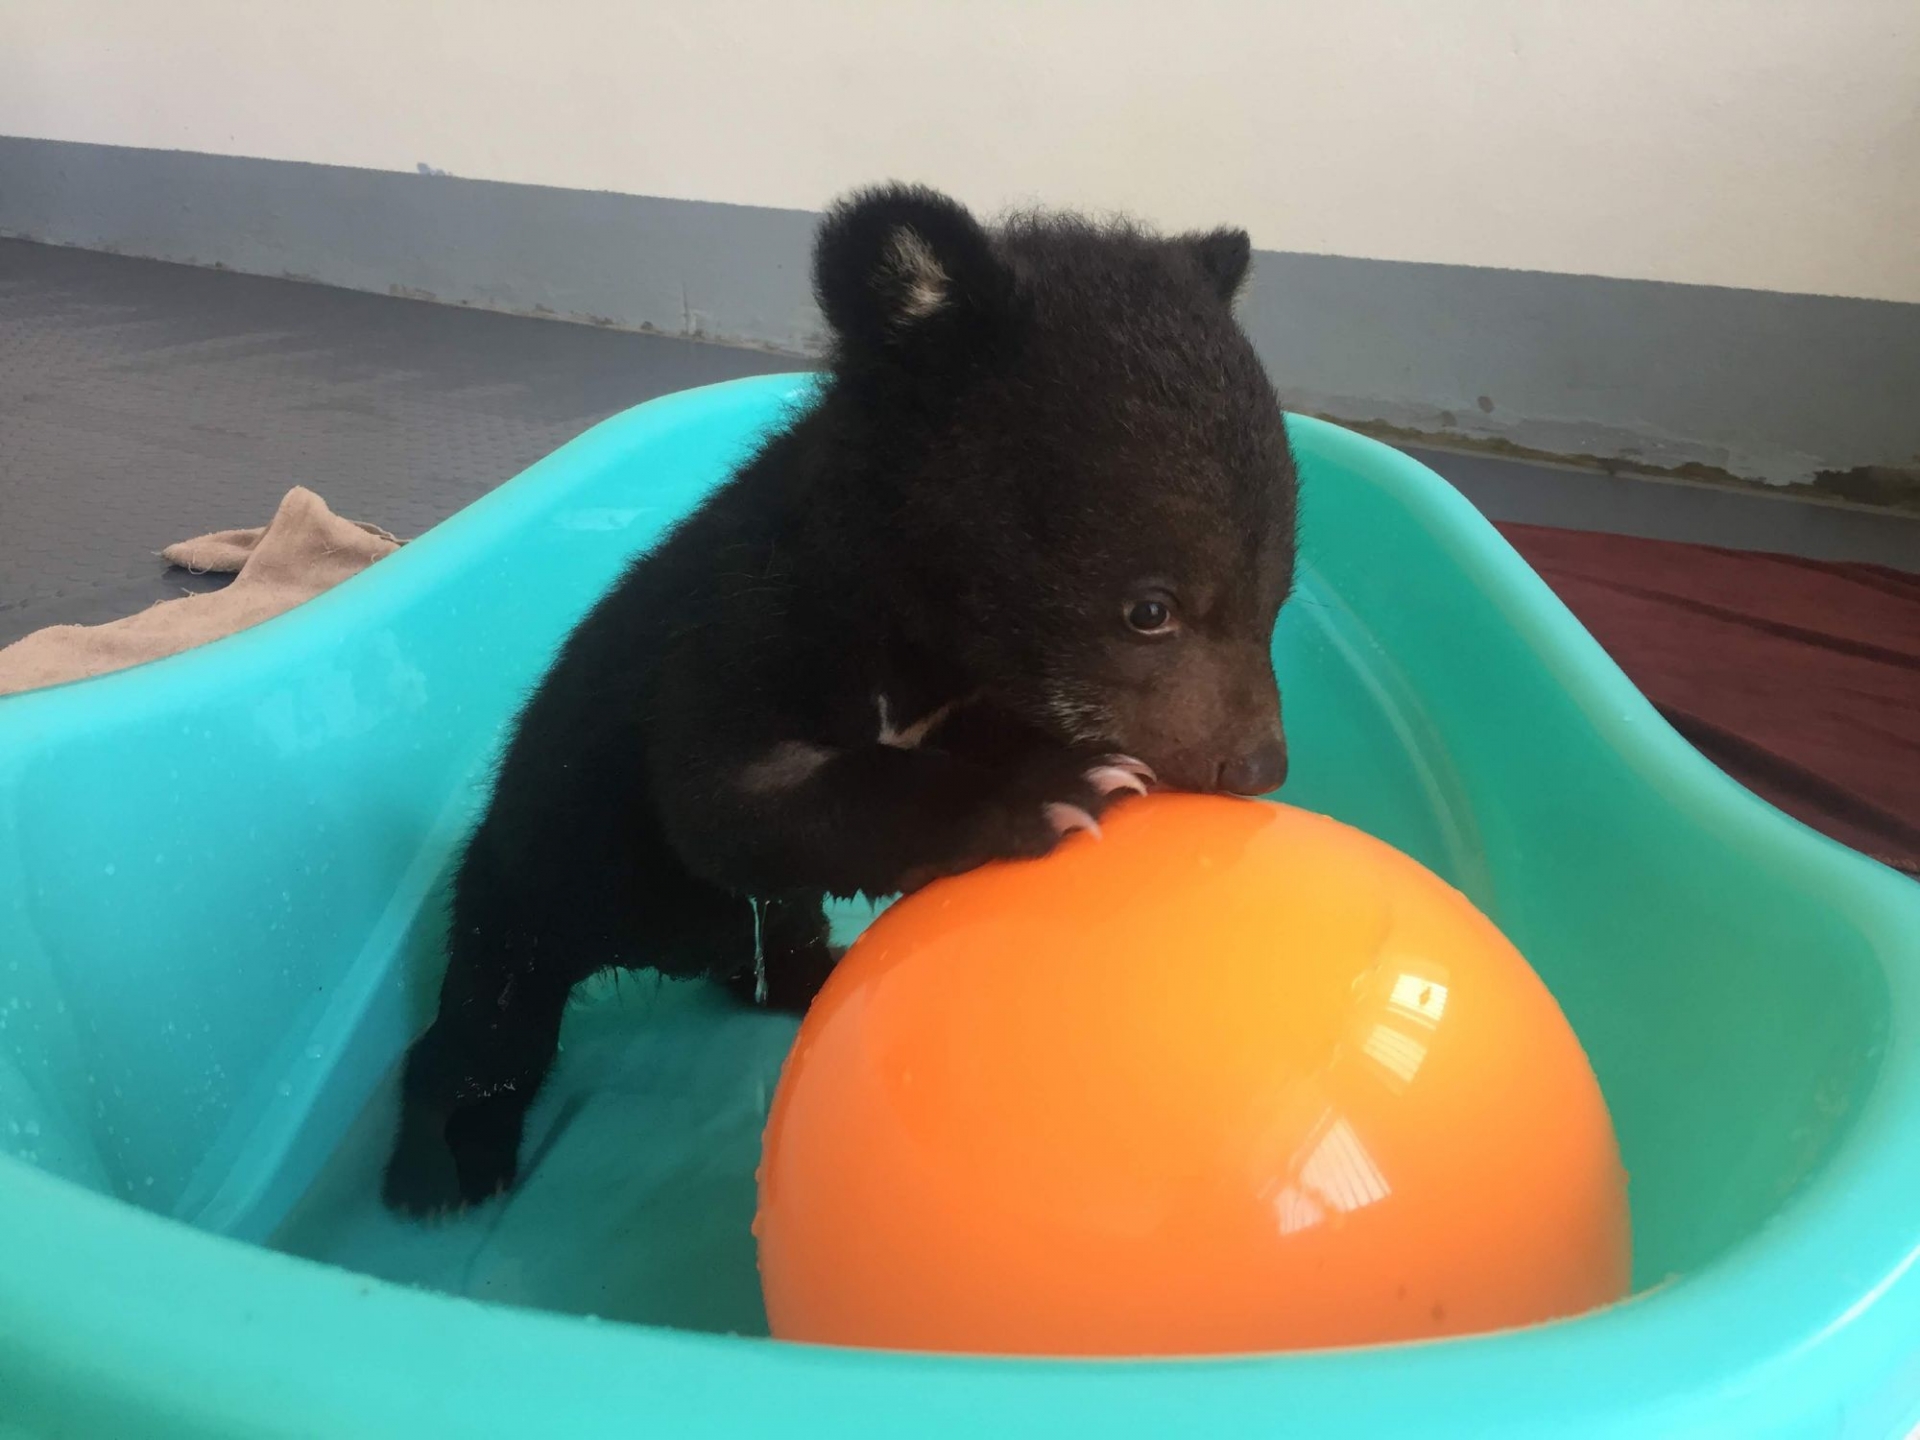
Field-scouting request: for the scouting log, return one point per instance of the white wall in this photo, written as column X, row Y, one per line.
column 1771, row 144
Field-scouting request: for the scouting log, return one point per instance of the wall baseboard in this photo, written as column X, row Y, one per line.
column 1736, row 386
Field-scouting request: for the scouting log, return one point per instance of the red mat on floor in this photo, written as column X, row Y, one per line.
column 1799, row 678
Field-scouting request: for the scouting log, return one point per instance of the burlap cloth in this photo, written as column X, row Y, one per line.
column 304, row 550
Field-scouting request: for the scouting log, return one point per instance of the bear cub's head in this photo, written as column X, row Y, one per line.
column 1082, row 464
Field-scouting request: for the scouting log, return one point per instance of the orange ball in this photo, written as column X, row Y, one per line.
column 1235, row 1077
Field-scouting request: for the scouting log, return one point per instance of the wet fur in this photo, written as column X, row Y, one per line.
column 891, row 647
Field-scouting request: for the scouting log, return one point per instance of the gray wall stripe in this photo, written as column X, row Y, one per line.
column 1699, row 380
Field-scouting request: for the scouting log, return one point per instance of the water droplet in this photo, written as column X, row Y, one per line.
column 759, row 957
column 316, row 1052
column 111, row 869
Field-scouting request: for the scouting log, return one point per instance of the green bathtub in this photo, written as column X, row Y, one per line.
column 220, row 887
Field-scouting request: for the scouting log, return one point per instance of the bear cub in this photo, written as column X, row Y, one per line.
column 1020, row 553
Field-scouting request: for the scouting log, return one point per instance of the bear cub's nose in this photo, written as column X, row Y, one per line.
column 1258, row 771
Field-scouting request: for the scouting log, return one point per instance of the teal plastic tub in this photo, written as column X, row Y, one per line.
column 220, row 884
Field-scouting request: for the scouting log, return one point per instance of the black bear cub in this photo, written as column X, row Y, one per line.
column 1022, row 554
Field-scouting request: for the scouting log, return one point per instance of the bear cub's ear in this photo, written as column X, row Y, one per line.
column 1223, row 256
column 900, row 265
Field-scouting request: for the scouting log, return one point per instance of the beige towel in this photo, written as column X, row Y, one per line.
column 305, row 549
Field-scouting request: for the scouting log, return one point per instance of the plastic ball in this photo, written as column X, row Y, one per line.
column 1233, row 1077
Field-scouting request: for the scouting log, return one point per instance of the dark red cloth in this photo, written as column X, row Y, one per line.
column 1799, row 678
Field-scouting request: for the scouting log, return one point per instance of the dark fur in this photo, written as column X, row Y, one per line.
column 1021, row 435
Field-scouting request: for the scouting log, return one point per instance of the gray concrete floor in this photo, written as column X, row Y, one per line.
column 141, row 403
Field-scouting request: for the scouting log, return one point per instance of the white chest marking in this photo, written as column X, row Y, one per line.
column 906, row 737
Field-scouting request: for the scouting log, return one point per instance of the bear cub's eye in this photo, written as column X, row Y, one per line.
column 1151, row 617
